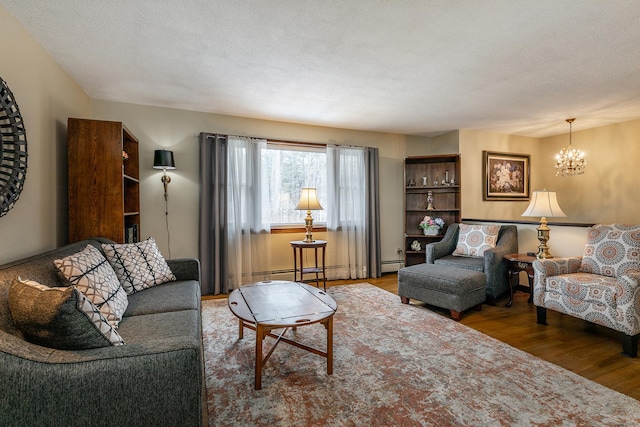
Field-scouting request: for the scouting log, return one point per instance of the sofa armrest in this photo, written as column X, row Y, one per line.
column 126, row 384
column 185, row 268
column 444, row 247
column 543, row 268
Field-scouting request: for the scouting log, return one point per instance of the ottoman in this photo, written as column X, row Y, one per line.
column 455, row 289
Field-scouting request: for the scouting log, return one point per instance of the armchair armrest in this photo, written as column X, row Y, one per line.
column 444, row 247
column 495, row 266
column 185, row 268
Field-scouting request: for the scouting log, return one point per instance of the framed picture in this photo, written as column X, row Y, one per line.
column 506, row 176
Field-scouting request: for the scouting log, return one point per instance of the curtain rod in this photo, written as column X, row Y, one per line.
column 285, row 142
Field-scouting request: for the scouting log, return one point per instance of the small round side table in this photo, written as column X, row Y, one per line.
column 317, row 269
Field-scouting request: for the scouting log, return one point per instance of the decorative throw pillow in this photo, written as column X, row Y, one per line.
column 90, row 272
column 474, row 240
column 612, row 250
column 61, row 318
column 138, row 265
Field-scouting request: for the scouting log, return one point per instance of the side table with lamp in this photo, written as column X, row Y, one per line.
column 543, row 204
column 308, row 202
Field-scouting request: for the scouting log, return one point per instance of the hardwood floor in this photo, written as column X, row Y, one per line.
column 589, row 350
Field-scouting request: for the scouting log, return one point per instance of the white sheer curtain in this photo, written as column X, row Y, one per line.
column 346, row 213
column 248, row 222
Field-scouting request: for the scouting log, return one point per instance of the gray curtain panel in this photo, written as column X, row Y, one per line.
column 372, row 203
column 213, row 211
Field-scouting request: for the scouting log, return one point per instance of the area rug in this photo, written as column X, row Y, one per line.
column 395, row 365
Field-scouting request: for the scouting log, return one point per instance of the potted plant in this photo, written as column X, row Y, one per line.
column 431, row 226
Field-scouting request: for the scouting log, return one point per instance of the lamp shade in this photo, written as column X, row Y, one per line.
column 544, row 204
column 163, row 159
column 308, row 200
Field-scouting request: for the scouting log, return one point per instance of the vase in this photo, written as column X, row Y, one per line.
column 430, row 231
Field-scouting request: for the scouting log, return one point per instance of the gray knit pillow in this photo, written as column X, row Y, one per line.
column 61, row 318
column 138, row 265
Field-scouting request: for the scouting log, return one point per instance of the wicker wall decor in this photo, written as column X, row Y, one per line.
column 13, row 150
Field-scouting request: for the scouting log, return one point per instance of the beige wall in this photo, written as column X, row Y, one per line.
column 177, row 130
column 46, row 95
column 606, row 193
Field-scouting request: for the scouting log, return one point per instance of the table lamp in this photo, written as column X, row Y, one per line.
column 543, row 204
column 308, row 201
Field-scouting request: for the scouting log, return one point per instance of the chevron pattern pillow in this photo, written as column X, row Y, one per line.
column 61, row 318
column 138, row 265
column 90, row 272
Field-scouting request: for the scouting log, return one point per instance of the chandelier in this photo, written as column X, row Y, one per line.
column 570, row 161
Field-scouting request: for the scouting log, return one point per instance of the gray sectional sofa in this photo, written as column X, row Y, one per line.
column 155, row 379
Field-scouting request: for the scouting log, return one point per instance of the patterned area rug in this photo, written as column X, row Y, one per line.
column 395, row 365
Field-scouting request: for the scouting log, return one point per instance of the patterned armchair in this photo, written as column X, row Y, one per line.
column 602, row 286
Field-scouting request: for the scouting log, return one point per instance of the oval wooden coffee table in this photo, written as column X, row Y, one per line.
column 265, row 306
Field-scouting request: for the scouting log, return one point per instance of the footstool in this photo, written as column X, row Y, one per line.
column 455, row 289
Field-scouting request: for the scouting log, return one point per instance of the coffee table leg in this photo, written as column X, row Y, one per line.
column 241, row 330
column 259, row 339
column 329, row 326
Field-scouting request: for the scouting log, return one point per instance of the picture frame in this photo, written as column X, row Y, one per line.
column 506, row 176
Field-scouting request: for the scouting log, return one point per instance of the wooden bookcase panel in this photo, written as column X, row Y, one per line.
column 104, row 189
column 446, row 199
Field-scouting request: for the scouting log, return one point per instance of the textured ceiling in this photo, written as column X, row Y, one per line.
column 413, row 67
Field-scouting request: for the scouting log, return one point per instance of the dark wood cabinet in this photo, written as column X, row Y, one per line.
column 421, row 173
column 104, row 187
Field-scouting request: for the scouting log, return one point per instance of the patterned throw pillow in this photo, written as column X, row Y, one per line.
column 90, row 272
column 61, row 318
column 474, row 240
column 138, row 265
column 612, row 250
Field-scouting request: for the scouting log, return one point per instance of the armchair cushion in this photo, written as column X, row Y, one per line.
column 612, row 250
column 474, row 240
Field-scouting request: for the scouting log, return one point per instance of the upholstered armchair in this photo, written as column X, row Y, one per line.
column 491, row 262
column 602, row 286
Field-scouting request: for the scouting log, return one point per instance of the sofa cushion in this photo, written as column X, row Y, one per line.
column 90, row 272
column 612, row 250
column 474, row 240
column 170, row 296
column 138, row 265
column 61, row 318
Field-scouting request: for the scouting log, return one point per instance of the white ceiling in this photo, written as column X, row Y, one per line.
column 404, row 66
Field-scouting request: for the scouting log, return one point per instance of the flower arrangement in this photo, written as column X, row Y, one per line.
column 430, row 223
column 125, row 156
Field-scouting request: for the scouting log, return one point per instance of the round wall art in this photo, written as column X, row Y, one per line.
column 13, row 151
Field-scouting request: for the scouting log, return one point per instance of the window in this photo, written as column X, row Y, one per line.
column 290, row 168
